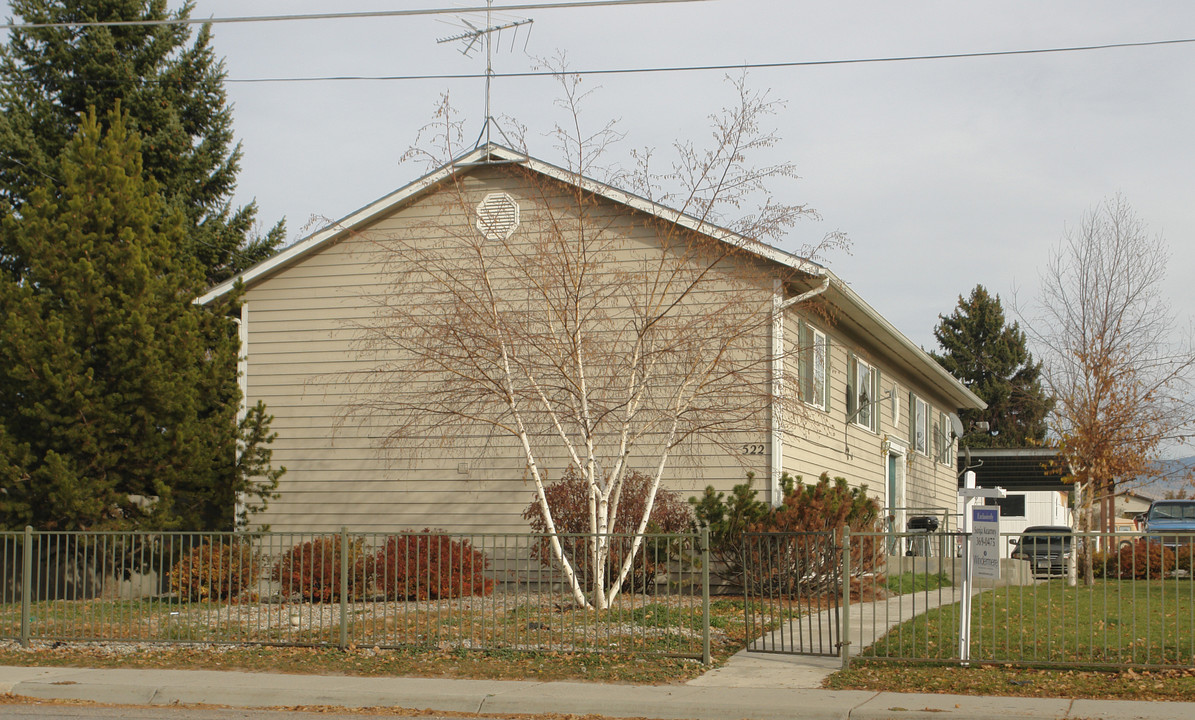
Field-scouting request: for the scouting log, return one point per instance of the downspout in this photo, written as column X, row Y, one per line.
column 779, row 305
column 242, row 324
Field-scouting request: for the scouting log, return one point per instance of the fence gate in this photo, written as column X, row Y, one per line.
column 793, row 587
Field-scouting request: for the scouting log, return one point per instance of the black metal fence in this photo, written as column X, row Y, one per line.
column 792, row 582
column 1090, row 600
column 834, row 593
column 482, row 591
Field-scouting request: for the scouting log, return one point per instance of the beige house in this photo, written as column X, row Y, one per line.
column 875, row 406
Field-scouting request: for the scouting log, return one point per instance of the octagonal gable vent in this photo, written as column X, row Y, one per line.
column 497, row 216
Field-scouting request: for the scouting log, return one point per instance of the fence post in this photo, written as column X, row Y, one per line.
column 26, row 584
column 344, row 587
column 705, row 595
column 844, row 632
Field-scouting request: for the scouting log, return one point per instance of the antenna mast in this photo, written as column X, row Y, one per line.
column 474, row 36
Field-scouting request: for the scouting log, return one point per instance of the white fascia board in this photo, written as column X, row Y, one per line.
column 904, row 346
column 667, row 214
column 1034, row 453
column 503, row 154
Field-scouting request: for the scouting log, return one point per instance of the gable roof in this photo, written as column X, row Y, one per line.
column 912, row 359
column 492, row 154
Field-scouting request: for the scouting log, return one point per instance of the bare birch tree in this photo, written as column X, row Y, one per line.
column 1115, row 358
column 596, row 336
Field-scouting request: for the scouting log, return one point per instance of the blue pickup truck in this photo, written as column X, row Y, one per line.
column 1171, row 521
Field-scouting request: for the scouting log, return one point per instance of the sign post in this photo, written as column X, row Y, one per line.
column 981, row 551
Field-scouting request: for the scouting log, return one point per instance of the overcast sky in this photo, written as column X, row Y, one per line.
column 945, row 173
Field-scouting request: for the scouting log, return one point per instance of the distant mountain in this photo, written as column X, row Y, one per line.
column 1175, row 477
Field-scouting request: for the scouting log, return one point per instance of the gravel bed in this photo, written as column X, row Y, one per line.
column 523, row 621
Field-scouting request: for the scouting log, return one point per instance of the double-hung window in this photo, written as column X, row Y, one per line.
column 944, row 443
column 919, row 420
column 814, row 363
column 863, row 394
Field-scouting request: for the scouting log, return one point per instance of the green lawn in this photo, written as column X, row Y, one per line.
column 916, row 582
column 1111, row 622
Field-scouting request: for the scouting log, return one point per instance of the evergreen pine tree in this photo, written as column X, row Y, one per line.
column 170, row 86
column 992, row 359
column 115, row 410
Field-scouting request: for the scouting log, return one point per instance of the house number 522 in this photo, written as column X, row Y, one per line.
column 754, row 449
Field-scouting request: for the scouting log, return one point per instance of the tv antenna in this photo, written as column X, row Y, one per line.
column 475, row 36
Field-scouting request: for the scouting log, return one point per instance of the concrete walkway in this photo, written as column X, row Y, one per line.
column 868, row 621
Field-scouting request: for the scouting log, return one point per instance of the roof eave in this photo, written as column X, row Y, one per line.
column 902, row 345
column 489, row 155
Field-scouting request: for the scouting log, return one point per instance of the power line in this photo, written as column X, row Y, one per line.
column 706, row 68
column 337, row 16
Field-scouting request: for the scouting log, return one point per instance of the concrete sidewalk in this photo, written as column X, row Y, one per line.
column 703, row 702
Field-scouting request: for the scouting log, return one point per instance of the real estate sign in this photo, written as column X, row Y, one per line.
column 985, row 543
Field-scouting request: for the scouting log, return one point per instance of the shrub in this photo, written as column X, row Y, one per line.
column 429, row 566
column 800, row 561
column 1184, row 555
column 217, row 571
column 568, row 500
column 1139, row 560
column 727, row 519
column 312, row 570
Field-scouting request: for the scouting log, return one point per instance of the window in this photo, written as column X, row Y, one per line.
column 820, row 371
column 863, row 394
column 936, row 431
column 1010, row 506
column 919, row 432
column 945, row 445
column 814, row 362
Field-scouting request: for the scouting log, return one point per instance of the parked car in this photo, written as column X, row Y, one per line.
column 1171, row 521
column 1046, row 547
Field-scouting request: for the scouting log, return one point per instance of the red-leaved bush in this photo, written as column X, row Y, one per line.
column 568, row 499
column 427, row 566
column 217, row 571
column 311, row 570
column 1142, row 559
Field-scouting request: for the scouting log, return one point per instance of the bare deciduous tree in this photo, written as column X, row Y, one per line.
column 595, row 336
column 1114, row 358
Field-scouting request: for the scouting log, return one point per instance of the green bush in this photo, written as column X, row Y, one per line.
column 798, row 561
column 219, row 571
column 568, row 500
column 727, row 519
column 917, row 582
column 427, row 566
column 311, row 570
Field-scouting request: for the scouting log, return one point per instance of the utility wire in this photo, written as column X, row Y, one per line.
column 336, row 16
column 706, row 68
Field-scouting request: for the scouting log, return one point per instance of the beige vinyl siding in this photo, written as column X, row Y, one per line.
column 826, row 442
column 306, row 365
